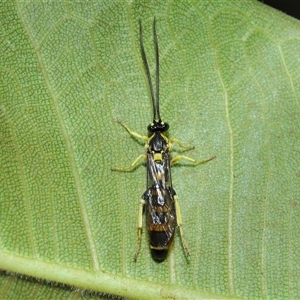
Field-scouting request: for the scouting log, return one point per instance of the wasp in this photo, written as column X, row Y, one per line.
column 159, row 201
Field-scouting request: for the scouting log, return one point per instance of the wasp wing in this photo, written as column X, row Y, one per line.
column 160, row 206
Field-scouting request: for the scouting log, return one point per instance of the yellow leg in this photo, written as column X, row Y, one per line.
column 140, row 227
column 172, row 141
column 200, row 161
column 179, row 223
column 132, row 165
column 145, row 138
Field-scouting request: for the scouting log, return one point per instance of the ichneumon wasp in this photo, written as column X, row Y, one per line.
column 160, row 199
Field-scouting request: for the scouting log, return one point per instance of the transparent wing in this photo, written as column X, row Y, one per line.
column 160, row 206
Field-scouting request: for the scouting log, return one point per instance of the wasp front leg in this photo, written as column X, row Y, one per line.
column 145, row 138
column 173, row 141
column 142, row 137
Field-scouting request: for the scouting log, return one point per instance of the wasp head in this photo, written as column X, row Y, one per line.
column 158, row 126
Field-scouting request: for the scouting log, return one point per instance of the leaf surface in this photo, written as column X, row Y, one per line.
column 229, row 85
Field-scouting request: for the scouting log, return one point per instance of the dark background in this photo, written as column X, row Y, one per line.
column 290, row 7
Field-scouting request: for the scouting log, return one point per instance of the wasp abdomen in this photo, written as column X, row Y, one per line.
column 161, row 224
column 160, row 241
column 159, row 255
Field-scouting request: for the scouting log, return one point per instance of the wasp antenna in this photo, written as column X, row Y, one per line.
column 156, row 114
column 147, row 69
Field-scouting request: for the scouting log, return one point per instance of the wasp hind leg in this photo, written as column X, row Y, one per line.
column 179, row 224
column 140, row 227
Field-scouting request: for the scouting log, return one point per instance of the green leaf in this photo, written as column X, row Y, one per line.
column 230, row 86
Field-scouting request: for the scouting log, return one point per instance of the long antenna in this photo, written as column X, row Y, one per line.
column 157, row 117
column 155, row 102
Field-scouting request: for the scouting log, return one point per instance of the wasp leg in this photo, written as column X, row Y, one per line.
column 130, row 166
column 195, row 161
column 172, row 141
column 179, row 223
column 145, row 138
column 140, row 227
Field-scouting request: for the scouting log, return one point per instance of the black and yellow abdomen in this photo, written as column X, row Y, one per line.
column 161, row 223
